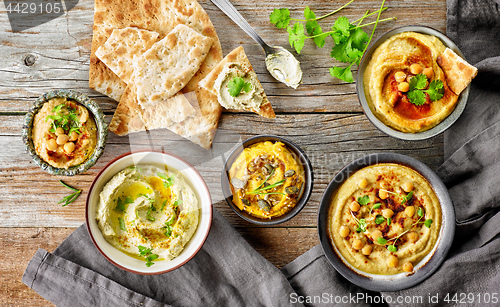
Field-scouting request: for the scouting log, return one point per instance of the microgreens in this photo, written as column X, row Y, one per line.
column 70, row 198
column 349, row 38
column 236, row 85
column 376, row 206
column 167, row 182
column 147, row 253
column 69, row 121
column 262, row 187
column 361, row 223
column 363, row 201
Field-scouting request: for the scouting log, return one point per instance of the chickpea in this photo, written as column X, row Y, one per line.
column 400, row 76
column 73, row 136
column 62, row 139
column 407, row 187
column 376, row 234
column 404, row 87
column 344, row 231
column 383, row 194
column 51, row 144
column 416, row 68
column 59, row 131
column 410, row 211
column 363, row 183
column 357, row 244
column 367, row 250
column 69, row 147
column 354, row 206
column 428, row 72
column 392, row 261
column 387, row 213
column 412, row 237
column 408, row 78
column 408, row 267
column 84, row 116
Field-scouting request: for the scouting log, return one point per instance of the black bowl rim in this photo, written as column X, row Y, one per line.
column 444, row 242
column 308, row 186
column 439, row 128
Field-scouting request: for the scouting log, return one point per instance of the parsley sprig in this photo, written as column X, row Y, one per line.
column 70, row 198
column 349, row 38
column 236, row 85
column 148, row 255
column 418, row 83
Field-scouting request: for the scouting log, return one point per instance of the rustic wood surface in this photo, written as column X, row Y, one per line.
column 323, row 116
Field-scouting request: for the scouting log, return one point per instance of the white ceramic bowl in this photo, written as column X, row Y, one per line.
column 125, row 261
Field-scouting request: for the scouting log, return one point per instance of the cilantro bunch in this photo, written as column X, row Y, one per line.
column 350, row 41
column 418, row 83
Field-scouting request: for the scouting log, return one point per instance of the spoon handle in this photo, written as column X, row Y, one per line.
column 226, row 7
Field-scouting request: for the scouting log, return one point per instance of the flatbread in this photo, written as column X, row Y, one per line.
column 238, row 56
column 169, row 64
column 123, row 47
column 160, row 16
column 458, row 72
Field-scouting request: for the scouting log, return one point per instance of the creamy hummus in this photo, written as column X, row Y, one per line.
column 391, row 105
column 387, row 201
column 148, row 206
column 251, row 100
column 64, row 133
column 266, row 180
column 284, row 67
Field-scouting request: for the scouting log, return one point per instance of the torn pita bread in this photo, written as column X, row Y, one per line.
column 123, row 47
column 160, row 16
column 169, row 64
column 458, row 72
column 238, row 58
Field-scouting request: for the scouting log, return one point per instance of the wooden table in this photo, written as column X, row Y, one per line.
column 323, row 116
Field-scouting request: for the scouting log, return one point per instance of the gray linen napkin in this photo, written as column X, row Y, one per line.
column 228, row 272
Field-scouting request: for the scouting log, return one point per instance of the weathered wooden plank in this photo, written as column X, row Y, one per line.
column 62, row 47
column 330, row 140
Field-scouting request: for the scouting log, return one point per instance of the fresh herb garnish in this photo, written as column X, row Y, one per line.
column 236, row 85
column 121, row 203
column 121, row 222
column 381, row 241
column 407, row 198
column 361, row 225
column 168, row 225
column 147, row 253
column 389, row 221
column 418, row 83
column 177, row 203
column 69, row 121
column 376, row 206
column 167, row 182
column 263, row 187
column 379, row 219
column 349, row 38
column 427, row 223
column 392, row 248
column 363, row 201
column 70, row 198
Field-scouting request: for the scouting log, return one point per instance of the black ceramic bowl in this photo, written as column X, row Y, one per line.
column 439, row 128
column 422, row 270
column 299, row 156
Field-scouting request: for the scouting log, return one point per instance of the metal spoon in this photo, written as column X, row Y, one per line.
column 280, row 63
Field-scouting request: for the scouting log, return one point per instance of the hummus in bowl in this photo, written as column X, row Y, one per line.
column 148, row 212
column 65, row 132
column 267, row 180
column 394, row 103
column 386, row 222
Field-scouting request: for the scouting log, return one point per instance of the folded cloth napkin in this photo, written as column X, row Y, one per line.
column 228, row 272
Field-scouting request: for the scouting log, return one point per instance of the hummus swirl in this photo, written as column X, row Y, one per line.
column 387, row 201
column 392, row 106
column 148, row 206
column 266, row 180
